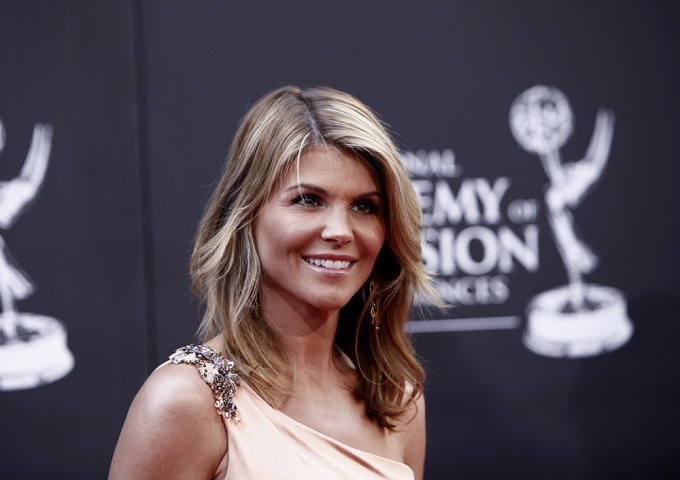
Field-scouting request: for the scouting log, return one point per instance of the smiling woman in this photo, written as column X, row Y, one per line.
column 308, row 258
column 318, row 237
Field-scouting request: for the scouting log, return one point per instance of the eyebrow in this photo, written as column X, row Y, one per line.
column 315, row 188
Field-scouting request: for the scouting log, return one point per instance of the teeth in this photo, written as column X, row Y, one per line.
column 332, row 264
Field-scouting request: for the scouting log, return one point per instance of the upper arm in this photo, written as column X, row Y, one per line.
column 413, row 437
column 171, row 431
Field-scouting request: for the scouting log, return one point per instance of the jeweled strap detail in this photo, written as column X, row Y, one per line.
column 216, row 371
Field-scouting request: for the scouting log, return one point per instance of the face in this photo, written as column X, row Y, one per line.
column 319, row 234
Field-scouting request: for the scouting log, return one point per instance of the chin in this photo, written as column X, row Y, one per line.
column 331, row 303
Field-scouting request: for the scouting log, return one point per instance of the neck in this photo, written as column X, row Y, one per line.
column 308, row 336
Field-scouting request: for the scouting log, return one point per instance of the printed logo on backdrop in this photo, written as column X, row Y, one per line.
column 33, row 349
column 478, row 235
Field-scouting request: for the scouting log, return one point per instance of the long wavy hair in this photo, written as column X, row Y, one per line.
column 226, row 270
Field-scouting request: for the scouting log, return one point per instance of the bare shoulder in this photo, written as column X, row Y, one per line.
column 412, row 436
column 171, row 430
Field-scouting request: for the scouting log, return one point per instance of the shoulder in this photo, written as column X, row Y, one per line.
column 177, row 389
column 411, row 434
column 160, row 438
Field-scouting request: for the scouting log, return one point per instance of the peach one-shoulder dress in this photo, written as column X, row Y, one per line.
column 266, row 444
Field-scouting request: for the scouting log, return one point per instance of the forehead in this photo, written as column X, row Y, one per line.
column 331, row 166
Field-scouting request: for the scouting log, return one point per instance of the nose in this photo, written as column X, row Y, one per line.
column 337, row 227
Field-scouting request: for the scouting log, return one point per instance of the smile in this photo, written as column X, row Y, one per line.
column 330, row 264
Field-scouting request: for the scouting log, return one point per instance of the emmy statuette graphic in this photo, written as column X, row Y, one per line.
column 33, row 349
column 577, row 319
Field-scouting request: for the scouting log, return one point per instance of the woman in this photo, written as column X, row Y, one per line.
column 307, row 258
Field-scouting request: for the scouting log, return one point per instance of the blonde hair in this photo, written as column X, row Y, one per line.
column 226, row 270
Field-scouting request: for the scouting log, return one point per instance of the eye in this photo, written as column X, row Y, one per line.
column 365, row 206
column 307, row 200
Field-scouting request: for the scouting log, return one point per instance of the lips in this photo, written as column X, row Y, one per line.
column 329, row 264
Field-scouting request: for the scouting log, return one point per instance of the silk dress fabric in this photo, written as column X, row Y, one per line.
column 266, row 444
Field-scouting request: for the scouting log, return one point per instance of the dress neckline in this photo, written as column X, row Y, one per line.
column 221, row 375
column 300, row 425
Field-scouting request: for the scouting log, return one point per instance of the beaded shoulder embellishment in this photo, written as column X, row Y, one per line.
column 215, row 370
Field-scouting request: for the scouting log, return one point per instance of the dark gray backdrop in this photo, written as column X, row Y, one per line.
column 144, row 98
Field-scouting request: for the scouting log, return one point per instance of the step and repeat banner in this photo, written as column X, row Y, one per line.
column 541, row 140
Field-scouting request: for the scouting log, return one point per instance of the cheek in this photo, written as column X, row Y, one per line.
column 374, row 238
column 276, row 235
column 264, row 234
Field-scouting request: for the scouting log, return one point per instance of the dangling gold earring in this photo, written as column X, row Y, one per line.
column 373, row 307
